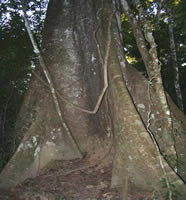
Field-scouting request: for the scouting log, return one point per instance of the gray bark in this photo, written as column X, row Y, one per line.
column 174, row 59
column 73, row 60
column 70, row 52
column 143, row 32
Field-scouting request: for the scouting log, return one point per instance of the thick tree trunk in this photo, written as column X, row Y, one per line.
column 137, row 162
column 71, row 52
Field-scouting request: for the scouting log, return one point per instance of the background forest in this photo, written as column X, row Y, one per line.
column 18, row 61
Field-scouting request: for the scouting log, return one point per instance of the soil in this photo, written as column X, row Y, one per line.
column 66, row 180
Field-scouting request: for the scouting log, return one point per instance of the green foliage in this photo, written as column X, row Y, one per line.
column 165, row 192
column 161, row 34
column 176, row 2
column 175, row 194
column 60, row 198
column 162, row 40
column 131, row 51
column 155, row 195
column 16, row 56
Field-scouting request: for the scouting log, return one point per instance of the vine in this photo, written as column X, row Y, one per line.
column 50, row 84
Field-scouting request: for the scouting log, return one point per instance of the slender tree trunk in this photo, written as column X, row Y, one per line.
column 174, row 62
column 143, row 34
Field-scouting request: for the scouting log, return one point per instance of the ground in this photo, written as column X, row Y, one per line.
column 66, row 180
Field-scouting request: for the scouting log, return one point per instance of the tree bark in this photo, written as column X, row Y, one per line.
column 174, row 62
column 137, row 162
column 143, row 34
column 75, row 43
column 71, row 54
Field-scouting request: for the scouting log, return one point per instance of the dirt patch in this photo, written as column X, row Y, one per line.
column 66, row 180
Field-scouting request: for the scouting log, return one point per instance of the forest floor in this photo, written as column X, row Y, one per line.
column 66, row 180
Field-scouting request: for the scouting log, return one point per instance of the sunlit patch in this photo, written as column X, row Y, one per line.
column 131, row 60
column 176, row 2
column 142, row 106
column 37, row 151
column 130, row 157
column 168, row 112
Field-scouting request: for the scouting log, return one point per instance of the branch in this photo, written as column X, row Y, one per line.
column 153, row 67
column 138, row 34
column 166, row 133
